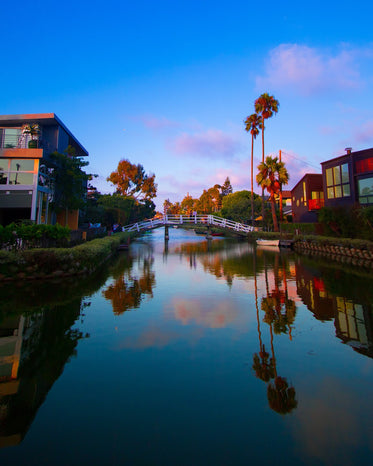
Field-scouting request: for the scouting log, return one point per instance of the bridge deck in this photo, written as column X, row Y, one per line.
column 207, row 220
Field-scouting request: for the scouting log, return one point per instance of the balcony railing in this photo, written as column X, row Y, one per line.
column 315, row 204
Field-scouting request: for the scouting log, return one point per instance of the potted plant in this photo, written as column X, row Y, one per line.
column 33, row 129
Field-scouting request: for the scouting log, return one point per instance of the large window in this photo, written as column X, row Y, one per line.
column 17, row 171
column 9, row 137
column 364, row 166
column 365, row 191
column 338, row 181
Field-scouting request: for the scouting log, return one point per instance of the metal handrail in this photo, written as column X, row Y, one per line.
column 191, row 219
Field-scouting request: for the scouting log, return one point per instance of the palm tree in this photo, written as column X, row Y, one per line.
column 272, row 174
column 253, row 124
column 265, row 105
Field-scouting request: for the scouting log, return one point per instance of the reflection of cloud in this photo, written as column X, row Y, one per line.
column 210, row 143
column 331, row 423
column 211, row 314
column 151, row 338
column 310, row 70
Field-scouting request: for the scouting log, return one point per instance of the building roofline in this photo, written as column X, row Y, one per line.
column 40, row 118
column 355, row 153
column 306, row 174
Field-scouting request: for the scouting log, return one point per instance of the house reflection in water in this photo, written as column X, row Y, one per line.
column 352, row 319
column 33, row 353
column 11, row 334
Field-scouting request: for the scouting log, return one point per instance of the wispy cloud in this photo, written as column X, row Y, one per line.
column 365, row 133
column 297, row 167
column 311, row 70
column 156, row 123
column 211, row 143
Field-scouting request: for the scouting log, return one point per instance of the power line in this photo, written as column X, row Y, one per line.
column 300, row 160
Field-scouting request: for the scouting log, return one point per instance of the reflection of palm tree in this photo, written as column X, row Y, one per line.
column 280, row 396
column 262, row 366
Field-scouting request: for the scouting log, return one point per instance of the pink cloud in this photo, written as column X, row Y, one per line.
column 210, row 143
column 310, row 70
column 365, row 133
column 297, row 167
column 156, row 123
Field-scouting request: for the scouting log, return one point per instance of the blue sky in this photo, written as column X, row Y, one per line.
column 168, row 83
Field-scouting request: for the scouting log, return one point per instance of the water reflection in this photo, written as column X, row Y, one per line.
column 128, row 290
column 279, row 314
column 235, row 333
column 34, row 349
column 333, row 294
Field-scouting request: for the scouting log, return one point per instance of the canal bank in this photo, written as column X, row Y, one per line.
column 48, row 263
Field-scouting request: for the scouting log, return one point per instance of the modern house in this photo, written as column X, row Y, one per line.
column 26, row 178
column 348, row 179
column 307, row 198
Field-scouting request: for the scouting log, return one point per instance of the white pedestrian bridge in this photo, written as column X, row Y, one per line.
column 171, row 220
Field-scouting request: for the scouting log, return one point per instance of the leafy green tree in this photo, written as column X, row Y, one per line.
column 226, row 188
column 132, row 181
column 266, row 106
column 216, row 197
column 236, row 206
column 188, row 205
column 272, row 174
column 205, row 202
column 253, row 124
column 70, row 181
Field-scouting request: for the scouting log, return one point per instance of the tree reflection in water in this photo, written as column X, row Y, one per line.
column 128, row 291
column 279, row 315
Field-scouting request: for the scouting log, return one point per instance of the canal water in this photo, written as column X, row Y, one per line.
column 190, row 352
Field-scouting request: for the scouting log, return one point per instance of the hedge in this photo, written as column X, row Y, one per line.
column 55, row 262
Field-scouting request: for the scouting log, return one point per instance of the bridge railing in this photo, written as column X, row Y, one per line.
column 191, row 219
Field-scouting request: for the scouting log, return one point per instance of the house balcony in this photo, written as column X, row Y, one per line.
column 315, row 204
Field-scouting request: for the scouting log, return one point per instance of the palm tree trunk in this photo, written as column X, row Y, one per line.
column 263, row 162
column 281, row 212
column 274, row 216
column 252, row 180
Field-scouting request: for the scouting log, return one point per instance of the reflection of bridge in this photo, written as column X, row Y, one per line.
column 206, row 220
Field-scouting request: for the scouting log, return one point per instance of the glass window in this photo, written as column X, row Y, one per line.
column 23, row 165
column 10, row 137
column 21, row 178
column 337, row 175
column 338, row 181
column 4, row 164
column 345, row 175
column 329, row 177
column 365, row 186
column 330, row 192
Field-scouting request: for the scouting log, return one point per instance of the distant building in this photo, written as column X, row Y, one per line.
column 26, row 187
column 307, row 197
column 348, row 179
